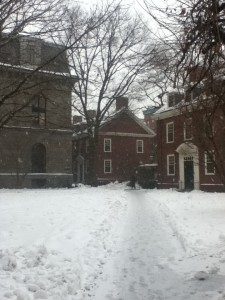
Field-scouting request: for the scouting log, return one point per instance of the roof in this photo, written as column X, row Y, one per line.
column 81, row 129
column 37, row 70
column 117, row 114
column 151, row 110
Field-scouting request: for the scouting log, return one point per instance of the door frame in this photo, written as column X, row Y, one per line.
column 187, row 150
column 188, row 159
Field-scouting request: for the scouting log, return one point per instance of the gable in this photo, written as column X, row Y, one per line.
column 124, row 123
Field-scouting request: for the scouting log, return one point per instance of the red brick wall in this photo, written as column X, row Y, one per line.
column 123, row 155
column 150, row 122
column 207, row 182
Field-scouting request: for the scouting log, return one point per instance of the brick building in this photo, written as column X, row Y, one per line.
column 190, row 143
column 35, row 114
column 124, row 144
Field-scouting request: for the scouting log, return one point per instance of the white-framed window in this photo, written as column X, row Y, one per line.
column 107, row 166
column 170, row 132
column 107, row 145
column 209, row 163
column 188, row 129
column 140, row 146
column 171, row 164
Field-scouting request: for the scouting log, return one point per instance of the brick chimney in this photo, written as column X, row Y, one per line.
column 121, row 102
column 77, row 119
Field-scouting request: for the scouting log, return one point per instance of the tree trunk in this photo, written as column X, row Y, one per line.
column 93, row 156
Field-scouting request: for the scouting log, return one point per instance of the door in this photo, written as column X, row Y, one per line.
column 188, row 175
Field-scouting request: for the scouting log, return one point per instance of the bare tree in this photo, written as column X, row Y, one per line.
column 195, row 33
column 108, row 61
column 25, row 22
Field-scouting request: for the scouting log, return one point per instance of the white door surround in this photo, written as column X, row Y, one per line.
column 188, row 151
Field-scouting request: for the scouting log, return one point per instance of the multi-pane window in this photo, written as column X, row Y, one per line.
column 170, row 132
column 107, row 145
column 39, row 110
column 170, row 164
column 188, row 129
column 107, row 166
column 209, row 163
column 140, row 146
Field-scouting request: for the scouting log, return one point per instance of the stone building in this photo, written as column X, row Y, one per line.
column 35, row 114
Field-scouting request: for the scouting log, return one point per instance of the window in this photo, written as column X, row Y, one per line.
column 32, row 54
column 107, row 166
column 107, row 145
column 38, row 158
column 140, row 146
column 174, row 98
column 188, row 129
column 208, row 126
column 170, row 164
column 193, row 93
column 39, row 110
column 170, row 132
column 209, row 163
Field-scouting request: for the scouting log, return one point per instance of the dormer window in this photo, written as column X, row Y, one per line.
column 174, row 98
column 193, row 93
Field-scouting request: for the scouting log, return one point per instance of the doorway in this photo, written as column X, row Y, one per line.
column 188, row 174
column 80, row 169
column 38, row 158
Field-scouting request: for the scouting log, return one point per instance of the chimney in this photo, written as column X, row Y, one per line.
column 121, row 102
column 91, row 113
column 77, row 119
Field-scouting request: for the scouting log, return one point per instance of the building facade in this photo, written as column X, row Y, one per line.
column 190, row 145
column 35, row 114
column 124, row 144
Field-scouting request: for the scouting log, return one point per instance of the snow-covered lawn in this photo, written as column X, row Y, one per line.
column 111, row 243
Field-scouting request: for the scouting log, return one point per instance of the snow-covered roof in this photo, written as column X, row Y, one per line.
column 35, row 69
column 151, row 110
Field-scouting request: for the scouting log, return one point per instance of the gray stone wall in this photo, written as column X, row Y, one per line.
column 19, row 89
column 15, row 157
column 56, row 91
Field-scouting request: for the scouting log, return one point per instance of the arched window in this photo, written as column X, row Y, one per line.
column 38, row 158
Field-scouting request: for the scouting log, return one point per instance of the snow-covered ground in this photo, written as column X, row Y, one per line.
column 110, row 243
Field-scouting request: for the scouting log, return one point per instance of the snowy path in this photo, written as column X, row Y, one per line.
column 109, row 244
column 143, row 262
